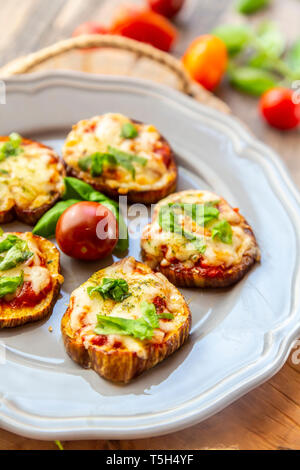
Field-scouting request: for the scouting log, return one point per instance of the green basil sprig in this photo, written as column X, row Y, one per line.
column 9, row 285
column 115, row 289
column 77, row 191
column 95, row 163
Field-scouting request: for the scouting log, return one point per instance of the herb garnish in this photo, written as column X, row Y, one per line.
column 115, row 289
column 129, row 131
column 12, row 147
column 142, row 328
column 9, row 285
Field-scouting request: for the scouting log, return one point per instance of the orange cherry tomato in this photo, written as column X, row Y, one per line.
column 167, row 8
column 205, row 60
column 87, row 231
column 145, row 26
column 279, row 110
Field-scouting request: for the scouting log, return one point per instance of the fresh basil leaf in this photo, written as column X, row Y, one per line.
column 76, row 189
column 139, row 328
column 9, row 285
column 293, row 57
column 125, row 159
column 95, row 162
column 12, row 147
column 85, row 163
column 252, row 80
column 166, row 316
column 129, row 131
column 223, row 231
column 235, row 36
column 46, row 226
column 4, row 172
column 269, row 45
column 1, row 232
column 115, row 289
column 17, row 254
column 149, row 313
column 8, row 242
column 247, row 7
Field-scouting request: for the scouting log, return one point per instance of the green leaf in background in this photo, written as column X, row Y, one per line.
column 247, row 7
column 9, row 285
column 46, row 226
column 293, row 57
column 269, row 44
column 115, row 289
column 17, row 254
column 129, row 131
column 223, row 231
column 235, row 36
column 251, row 80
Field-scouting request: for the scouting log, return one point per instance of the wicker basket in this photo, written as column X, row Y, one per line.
column 113, row 55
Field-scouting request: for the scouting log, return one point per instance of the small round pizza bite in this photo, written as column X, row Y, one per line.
column 119, row 156
column 124, row 320
column 197, row 239
column 30, row 278
column 31, row 179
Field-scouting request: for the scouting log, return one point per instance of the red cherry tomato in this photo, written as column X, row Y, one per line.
column 279, row 110
column 205, row 60
column 145, row 26
column 87, row 230
column 167, row 8
column 90, row 27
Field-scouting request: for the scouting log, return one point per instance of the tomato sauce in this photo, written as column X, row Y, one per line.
column 27, row 297
column 160, row 304
column 165, row 153
column 99, row 340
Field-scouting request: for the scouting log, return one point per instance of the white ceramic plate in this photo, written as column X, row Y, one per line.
column 240, row 336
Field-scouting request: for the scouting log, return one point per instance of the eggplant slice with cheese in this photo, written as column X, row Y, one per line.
column 30, row 278
column 119, row 156
column 197, row 239
column 124, row 320
column 31, row 179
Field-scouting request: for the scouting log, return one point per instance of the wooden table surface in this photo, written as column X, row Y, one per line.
column 269, row 416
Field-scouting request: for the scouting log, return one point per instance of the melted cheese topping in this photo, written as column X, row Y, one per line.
column 97, row 133
column 30, row 179
column 164, row 247
column 39, row 276
column 144, row 286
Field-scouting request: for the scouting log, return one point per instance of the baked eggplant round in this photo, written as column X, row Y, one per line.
column 124, row 320
column 120, row 156
column 31, row 179
column 28, row 288
column 196, row 239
